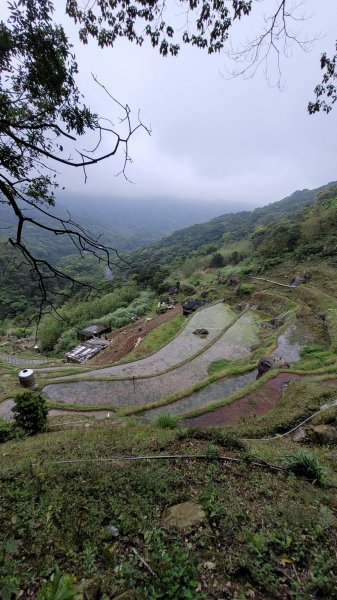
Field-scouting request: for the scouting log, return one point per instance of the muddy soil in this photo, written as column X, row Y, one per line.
column 124, row 340
column 257, row 403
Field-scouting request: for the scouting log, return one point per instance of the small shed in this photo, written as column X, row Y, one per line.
column 192, row 306
column 95, row 330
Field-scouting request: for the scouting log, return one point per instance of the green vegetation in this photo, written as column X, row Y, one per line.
column 275, row 529
column 92, row 517
column 306, row 465
column 6, row 431
column 30, row 412
column 111, row 308
column 159, row 337
column 209, row 238
column 167, row 421
column 60, row 588
column 222, row 437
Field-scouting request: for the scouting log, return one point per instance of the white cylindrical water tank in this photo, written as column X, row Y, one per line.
column 27, row 378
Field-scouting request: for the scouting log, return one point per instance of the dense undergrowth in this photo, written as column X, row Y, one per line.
column 266, row 534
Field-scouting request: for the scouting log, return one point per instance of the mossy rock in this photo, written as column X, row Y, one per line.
column 323, row 434
column 186, row 515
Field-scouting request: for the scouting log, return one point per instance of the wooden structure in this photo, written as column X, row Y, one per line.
column 95, row 330
column 192, row 306
column 86, row 350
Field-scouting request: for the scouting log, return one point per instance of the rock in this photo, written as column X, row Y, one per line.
column 233, row 280
column 269, row 362
column 138, row 342
column 201, row 331
column 300, row 435
column 299, row 279
column 323, row 434
column 186, row 515
column 112, row 531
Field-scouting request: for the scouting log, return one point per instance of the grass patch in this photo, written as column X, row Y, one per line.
column 266, row 522
column 165, row 421
column 304, row 464
column 315, row 357
column 222, row 437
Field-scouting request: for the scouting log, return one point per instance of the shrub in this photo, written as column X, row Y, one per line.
column 6, row 431
column 245, row 288
column 305, row 350
column 217, row 260
column 306, row 465
column 67, row 341
column 30, row 412
column 166, row 421
column 186, row 288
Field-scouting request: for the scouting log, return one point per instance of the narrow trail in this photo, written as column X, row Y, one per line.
column 16, row 361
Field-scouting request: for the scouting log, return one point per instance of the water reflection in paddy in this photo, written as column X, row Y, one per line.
column 289, row 346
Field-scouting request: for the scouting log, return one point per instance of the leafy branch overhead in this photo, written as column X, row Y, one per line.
column 207, row 25
column 42, row 116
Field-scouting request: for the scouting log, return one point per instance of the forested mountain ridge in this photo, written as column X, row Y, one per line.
column 121, row 224
column 226, row 228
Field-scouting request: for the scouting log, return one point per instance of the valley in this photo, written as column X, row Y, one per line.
column 168, row 416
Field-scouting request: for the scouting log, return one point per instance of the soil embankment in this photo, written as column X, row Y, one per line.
column 123, row 340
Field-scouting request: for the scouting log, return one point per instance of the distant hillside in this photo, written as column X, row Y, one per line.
column 225, row 228
column 122, row 224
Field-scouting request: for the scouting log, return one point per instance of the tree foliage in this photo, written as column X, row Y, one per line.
column 42, row 115
column 30, row 412
column 205, row 24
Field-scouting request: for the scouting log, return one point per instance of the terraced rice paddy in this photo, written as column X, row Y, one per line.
column 235, row 343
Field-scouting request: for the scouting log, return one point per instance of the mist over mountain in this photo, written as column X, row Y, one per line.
column 123, row 223
column 156, row 217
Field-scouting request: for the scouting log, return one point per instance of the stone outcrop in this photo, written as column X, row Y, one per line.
column 186, row 515
column 269, row 362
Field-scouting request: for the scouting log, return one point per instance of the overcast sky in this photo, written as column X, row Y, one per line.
column 213, row 139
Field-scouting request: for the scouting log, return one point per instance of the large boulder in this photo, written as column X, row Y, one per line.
column 186, row 515
column 270, row 362
column 300, row 435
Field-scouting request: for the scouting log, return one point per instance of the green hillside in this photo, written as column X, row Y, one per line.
column 174, row 473
column 225, row 228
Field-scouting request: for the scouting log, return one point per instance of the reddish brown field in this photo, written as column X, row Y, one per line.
column 254, row 404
